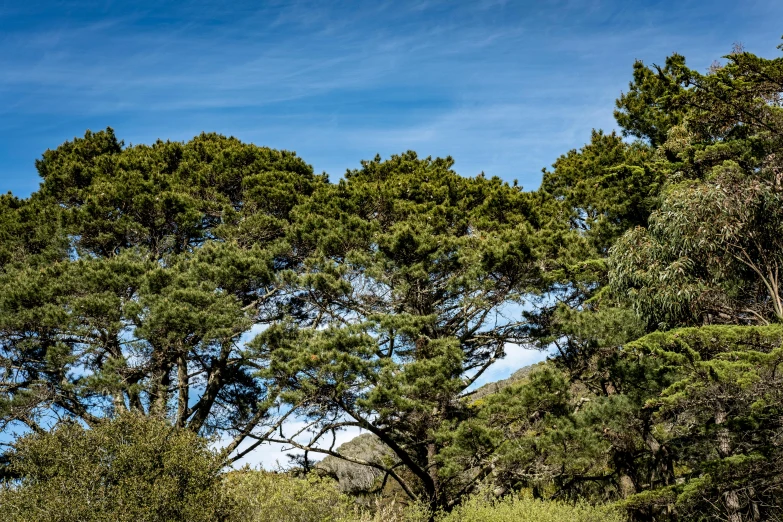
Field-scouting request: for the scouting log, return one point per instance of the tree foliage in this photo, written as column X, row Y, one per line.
column 129, row 278
column 133, row 468
column 405, row 298
column 719, row 420
column 713, row 249
column 681, row 424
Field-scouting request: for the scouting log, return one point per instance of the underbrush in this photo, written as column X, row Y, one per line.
column 270, row 497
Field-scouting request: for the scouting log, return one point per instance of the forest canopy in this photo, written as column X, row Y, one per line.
column 223, row 289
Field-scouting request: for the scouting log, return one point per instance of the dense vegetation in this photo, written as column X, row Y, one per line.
column 128, row 470
column 151, row 296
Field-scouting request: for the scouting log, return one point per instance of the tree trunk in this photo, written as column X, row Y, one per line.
column 432, row 469
column 724, row 441
column 733, row 506
column 724, row 449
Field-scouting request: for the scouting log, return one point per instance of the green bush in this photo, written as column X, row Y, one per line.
column 513, row 509
column 134, row 469
column 527, row 509
column 392, row 512
column 260, row 496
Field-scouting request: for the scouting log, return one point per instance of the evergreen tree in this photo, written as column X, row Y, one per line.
column 128, row 280
column 409, row 295
column 711, row 256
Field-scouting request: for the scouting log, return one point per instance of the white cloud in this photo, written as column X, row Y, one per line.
column 272, row 455
column 516, row 357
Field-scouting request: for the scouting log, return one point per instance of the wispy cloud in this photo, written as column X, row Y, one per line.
column 504, row 87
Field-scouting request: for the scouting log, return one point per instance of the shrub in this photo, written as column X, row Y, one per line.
column 261, row 496
column 133, row 468
column 392, row 512
column 511, row 509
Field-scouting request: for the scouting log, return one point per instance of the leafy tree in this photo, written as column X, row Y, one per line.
column 131, row 279
column 591, row 197
column 651, row 108
column 657, row 416
column 133, row 286
column 558, row 439
column 720, row 420
column 606, row 187
column 133, row 468
column 522, row 437
column 710, row 256
column 407, row 292
column 712, row 252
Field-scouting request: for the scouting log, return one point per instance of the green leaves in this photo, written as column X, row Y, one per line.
column 134, row 279
column 605, row 188
column 720, row 415
column 712, row 250
column 129, row 279
column 690, row 223
column 650, row 108
column 132, row 468
column 409, row 268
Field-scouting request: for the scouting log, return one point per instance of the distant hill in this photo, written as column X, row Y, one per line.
column 517, row 376
column 356, row 478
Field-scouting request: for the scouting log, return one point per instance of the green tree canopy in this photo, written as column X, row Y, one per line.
column 410, row 294
column 712, row 252
column 228, row 288
column 651, row 108
column 130, row 277
column 711, row 256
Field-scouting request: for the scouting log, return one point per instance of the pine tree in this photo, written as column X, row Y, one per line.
column 128, row 281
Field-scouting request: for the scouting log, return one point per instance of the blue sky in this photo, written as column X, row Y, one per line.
column 502, row 86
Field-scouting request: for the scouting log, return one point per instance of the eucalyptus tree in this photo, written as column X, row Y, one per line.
column 680, row 229
column 713, row 252
column 128, row 280
column 711, row 257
